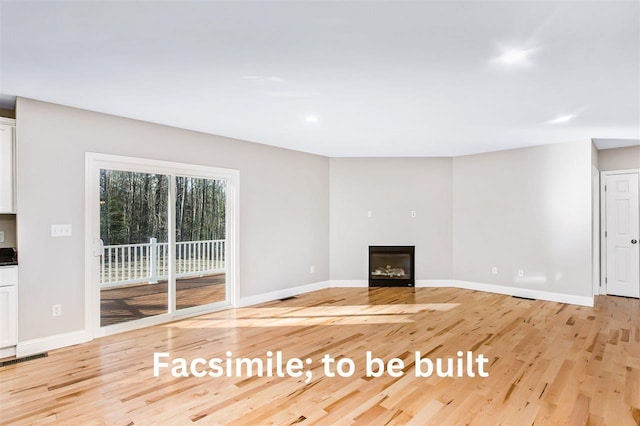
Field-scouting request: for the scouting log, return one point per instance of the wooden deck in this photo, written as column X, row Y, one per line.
column 137, row 301
column 549, row 363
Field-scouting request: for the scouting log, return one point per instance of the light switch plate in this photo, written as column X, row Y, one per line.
column 1, row 236
column 61, row 230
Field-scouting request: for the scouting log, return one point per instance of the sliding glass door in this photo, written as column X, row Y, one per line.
column 134, row 233
column 161, row 240
column 200, row 241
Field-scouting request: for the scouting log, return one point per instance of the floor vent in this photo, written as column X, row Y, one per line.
column 288, row 298
column 23, row 359
column 523, row 298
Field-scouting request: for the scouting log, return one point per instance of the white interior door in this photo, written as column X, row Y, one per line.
column 622, row 223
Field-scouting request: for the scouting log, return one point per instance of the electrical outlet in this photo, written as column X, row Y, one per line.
column 494, row 270
column 312, row 269
column 520, row 273
column 56, row 310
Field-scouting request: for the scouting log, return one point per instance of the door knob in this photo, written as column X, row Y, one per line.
column 634, row 241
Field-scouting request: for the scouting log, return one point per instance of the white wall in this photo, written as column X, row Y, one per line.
column 284, row 205
column 526, row 209
column 619, row 158
column 390, row 188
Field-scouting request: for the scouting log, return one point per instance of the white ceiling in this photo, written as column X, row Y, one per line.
column 382, row 78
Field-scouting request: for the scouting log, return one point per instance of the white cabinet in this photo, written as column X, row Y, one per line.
column 8, row 306
column 7, row 165
column 8, row 316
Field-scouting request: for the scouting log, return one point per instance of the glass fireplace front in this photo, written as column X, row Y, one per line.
column 391, row 266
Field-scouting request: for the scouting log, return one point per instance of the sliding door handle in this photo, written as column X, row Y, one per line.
column 98, row 248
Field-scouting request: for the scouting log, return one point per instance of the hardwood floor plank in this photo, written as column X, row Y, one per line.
column 549, row 363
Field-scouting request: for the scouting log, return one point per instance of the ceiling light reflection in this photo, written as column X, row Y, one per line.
column 562, row 119
column 514, row 57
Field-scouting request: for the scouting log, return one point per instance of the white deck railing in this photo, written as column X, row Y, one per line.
column 149, row 262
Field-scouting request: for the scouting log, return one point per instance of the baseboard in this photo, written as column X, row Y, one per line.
column 435, row 283
column 365, row 283
column 525, row 292
column 489, row 288
column 36, row 346
column 348, row 283
column 281, row 294
column 7, row 352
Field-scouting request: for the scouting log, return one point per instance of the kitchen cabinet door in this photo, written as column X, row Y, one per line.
column 8, row 316
column 7, row 185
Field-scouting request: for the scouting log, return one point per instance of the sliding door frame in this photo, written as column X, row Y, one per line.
column 94, row 162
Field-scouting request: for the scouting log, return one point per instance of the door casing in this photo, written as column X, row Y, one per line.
column 96, row 161
column 603, row 223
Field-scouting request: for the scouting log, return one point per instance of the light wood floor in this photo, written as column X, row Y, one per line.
column 550, row 363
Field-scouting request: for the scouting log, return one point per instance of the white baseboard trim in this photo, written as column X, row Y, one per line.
column 526, row 292
column 348, row 283
column 281, row 294
column 7, row 352
column 36, row 346
column 489, row 288
column 365, row 283
column 435, row 283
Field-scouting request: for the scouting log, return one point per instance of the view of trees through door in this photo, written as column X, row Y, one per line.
column 200, row 241
column 134, row 229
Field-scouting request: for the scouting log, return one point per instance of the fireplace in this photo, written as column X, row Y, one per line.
column 391, row 266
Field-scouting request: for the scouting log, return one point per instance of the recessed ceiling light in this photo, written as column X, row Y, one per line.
column 269, row 78
column 562, row 119
column 311, row 119
column 513, row 57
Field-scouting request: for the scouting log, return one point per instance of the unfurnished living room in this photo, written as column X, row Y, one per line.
column 319, row 212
